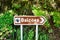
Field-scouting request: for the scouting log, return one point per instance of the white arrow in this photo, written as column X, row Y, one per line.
column 43, row 20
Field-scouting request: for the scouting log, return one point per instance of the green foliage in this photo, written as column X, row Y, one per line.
column 43, row 35
column 56, row 18
column 37, row 11
column 25, row 33
column 18, row 34
column 31, row 35
column 16, row 6
column 5, row 24
column 50, row 30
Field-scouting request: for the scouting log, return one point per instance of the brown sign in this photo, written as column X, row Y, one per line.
column 29, row 20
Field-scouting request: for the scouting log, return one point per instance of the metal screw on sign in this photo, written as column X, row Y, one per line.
column 29, row 20
column 17, row 20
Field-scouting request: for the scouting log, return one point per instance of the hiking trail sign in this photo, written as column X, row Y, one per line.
column 29, row 20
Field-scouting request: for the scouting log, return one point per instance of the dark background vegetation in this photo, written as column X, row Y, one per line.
column 50, row 9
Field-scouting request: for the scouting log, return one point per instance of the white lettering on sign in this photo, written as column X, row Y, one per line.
column 27, row 20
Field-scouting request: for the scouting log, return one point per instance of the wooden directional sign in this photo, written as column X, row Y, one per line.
column 29, row 20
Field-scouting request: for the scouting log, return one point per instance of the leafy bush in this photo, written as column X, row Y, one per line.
column 5, row 24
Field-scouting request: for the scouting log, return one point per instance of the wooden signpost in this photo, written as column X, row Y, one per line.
column 29, row 20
